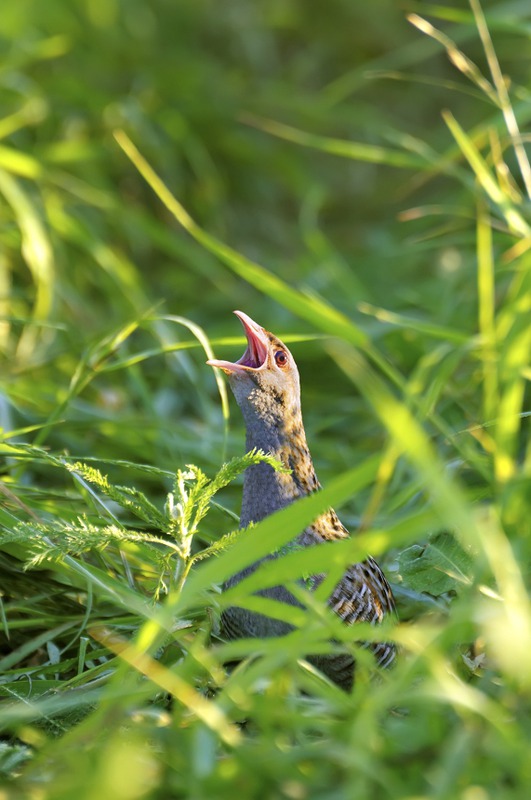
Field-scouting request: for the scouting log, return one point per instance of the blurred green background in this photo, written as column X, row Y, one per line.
column 182, row 79
column 310, row 138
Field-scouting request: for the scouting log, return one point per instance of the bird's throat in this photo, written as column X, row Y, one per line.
column 266, row 490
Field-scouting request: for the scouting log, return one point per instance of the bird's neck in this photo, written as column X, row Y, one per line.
column 266, row 490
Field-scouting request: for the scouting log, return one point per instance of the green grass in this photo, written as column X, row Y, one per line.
column 360, row 185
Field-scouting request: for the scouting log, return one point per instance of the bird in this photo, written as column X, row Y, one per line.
column 265, row 382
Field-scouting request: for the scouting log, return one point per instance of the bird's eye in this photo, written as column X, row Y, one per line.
column 281, row 358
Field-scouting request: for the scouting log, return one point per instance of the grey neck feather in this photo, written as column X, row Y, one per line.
column 264, row 489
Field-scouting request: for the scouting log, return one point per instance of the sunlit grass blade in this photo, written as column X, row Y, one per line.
column 37, row 253
column 514, row 336
column 506, row 180
column 506, row 619
column 413, row 324
column 171, row 682
column 321, row 313
column 486, row 299
column 412, row 441
column 32, row 112
column 513, row 217
column 18, row 163
column 503, row 95
column 456, row 56
column 358, row 151
column 203, row 340
column 447, row 162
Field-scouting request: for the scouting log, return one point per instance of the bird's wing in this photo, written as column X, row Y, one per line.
column 364, row 595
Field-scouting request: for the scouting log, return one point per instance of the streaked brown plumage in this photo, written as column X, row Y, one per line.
column 265, row 382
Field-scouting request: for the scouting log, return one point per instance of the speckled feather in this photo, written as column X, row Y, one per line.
column 265, row 382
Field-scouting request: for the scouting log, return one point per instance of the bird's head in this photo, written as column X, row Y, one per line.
column 265, row 380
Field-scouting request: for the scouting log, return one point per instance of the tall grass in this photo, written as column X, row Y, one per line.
column 139, row 209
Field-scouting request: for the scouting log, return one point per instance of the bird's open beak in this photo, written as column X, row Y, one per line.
column 256, row 353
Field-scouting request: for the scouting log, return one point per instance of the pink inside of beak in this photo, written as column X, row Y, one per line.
column 256, row 353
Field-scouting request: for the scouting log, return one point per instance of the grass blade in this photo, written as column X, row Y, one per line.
column 318, row 311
